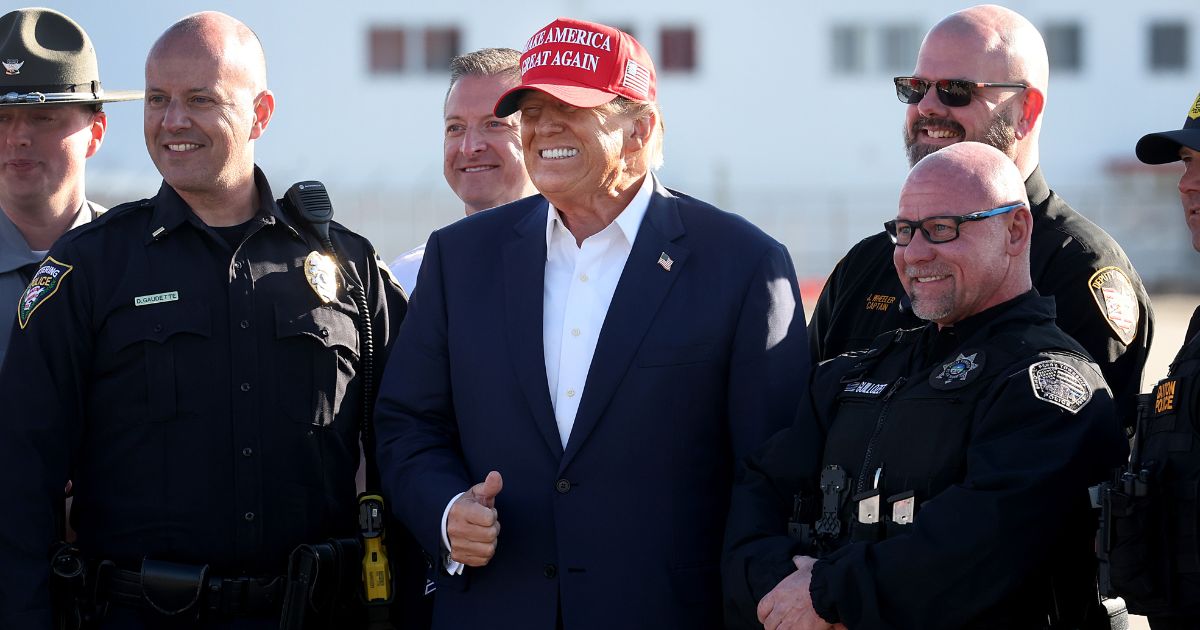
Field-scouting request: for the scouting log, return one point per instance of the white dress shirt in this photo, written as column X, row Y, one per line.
column 579, row 284
column 405, row 268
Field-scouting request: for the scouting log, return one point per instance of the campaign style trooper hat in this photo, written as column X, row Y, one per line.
column 1163, row 147
column 48, row 59
column 584, row 64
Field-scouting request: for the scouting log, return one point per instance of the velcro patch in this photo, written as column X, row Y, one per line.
column 1117, row 300
column 866, row 388
column 1164, row 397
column 1060, row 384
column 44, row 284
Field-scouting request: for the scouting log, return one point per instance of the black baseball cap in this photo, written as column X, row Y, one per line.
column 1163, row 147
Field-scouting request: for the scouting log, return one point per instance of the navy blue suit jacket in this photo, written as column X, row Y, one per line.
column 694, row 368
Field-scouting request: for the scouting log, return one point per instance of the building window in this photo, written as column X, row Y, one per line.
column 1064, row 44
column 387, row 54
column 1168, row 46
column 847, row 45
column 441, row 45
column 898, row 48
column 678, row 49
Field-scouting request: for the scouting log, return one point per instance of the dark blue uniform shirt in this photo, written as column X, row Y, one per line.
column 203, row 398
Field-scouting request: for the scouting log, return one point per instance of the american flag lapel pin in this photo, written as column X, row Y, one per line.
column 665, row 261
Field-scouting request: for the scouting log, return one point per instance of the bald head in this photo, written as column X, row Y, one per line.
column 217, row 36
column 980, row 174
column 1003, row 37
column 988, row 262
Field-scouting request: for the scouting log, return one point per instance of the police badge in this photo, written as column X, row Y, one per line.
column 322, row 276
column 958, row 372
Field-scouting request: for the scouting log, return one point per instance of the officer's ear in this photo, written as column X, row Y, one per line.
column 1020, row 231
column 98, row 124
column 1033, row 102
column 264, row 108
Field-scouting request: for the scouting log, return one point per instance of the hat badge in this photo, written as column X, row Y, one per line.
column 1195, row 113
column 12, row 66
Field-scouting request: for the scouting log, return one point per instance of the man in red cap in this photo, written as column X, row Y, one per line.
column 1154, row 550
column 590, row 363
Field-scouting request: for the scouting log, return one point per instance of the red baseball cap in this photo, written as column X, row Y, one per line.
column 584, row 64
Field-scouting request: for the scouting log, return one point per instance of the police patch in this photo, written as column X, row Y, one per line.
column 322, row 276
column 1117, row 301
column 41, row 287
column 958, row 372
column 1061, row 384
column 1164, row 397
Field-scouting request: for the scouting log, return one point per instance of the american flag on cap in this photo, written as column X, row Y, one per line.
column 636, row 78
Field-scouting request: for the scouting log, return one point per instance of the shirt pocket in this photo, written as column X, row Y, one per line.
column 317, row 363
column 159, row 331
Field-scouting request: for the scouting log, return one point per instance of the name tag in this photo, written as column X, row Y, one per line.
column 157, row 298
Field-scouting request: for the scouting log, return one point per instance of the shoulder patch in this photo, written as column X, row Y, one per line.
column 42, row 286
column 1117, row 301
column 1060, row 384
column 957, row 373
column 387, row 273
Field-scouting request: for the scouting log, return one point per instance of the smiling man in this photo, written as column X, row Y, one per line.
column 194, row 362
column 51, row 122
column 586, row 366
column 982, row 74
column 937, row 480
column 482, row 159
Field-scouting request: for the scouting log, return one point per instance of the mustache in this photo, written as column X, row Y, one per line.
column 915, row 271
column 924, row 121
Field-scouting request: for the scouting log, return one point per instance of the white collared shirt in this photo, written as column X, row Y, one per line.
column 579, row 285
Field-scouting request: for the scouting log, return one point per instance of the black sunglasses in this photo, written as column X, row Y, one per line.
column 940, row 229
column 951, row 92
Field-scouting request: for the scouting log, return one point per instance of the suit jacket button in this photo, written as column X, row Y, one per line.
column 550, row 571
column 563, row 486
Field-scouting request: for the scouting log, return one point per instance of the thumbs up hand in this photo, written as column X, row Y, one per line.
column 473, row 525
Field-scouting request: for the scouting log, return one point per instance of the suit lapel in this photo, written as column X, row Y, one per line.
column 643, row 286
column 524, row 277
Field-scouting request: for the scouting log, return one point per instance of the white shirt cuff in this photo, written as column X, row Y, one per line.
column 452, row 567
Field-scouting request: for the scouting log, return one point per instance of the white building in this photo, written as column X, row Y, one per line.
column 781, row 111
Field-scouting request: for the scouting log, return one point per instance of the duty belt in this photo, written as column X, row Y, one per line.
column 188, row 590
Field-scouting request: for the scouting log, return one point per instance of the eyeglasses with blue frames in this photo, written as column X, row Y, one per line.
column 951, row 92
column 939, row 229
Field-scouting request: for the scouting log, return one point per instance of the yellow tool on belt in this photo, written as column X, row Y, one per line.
column 377, row 576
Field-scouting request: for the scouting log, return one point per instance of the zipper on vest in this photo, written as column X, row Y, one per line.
column 866, row 466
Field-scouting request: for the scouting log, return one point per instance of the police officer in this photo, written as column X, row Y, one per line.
column 1155, row 556
column 51, row 122
column 982, row 75
column 195, row 363
column 938, row 479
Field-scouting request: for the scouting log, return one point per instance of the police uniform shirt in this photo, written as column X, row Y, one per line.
column 205, row 400
column 18, row 263
column 1100, row 298
column 995, row 432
